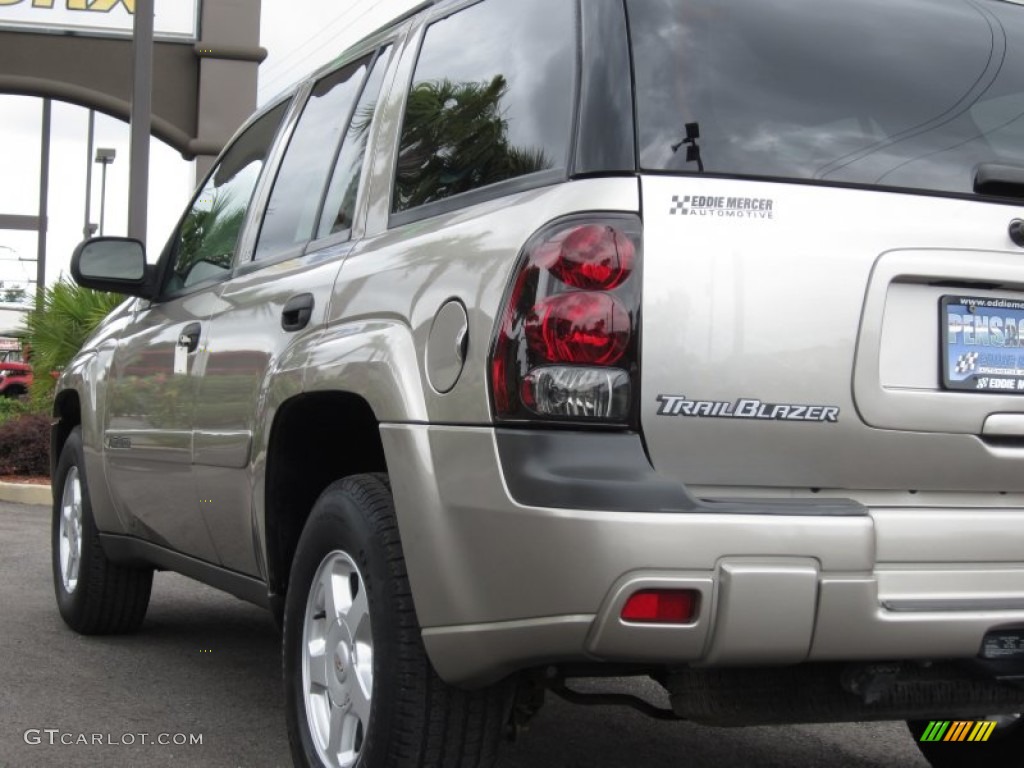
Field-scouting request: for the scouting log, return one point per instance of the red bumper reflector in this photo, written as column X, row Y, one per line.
column 661, row 606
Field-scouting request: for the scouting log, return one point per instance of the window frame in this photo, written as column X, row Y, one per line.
column 515, row 185
column 598, row 151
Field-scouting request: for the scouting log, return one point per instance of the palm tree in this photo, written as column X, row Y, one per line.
column 59, row 325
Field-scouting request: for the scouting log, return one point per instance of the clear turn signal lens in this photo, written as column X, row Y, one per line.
column 578, row 393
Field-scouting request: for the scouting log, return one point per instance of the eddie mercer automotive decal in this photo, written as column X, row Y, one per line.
column 745, row 408
column 723, row 207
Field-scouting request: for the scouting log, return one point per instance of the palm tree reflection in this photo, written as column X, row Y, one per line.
column 456, row 139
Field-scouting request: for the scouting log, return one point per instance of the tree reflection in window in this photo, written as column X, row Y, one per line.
column 455, row 139
column 209, row 234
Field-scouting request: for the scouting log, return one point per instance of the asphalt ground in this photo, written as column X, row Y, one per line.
column 207, row 665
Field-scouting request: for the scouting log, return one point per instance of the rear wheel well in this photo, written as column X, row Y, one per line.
column 315, row 439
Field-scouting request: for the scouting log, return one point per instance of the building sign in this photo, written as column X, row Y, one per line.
column 175, row 19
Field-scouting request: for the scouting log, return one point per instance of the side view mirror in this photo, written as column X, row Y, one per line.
column 115, row 264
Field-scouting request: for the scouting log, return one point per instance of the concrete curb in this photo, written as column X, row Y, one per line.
column 26, row 493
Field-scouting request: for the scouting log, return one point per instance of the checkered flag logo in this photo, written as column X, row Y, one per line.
column 966, row 362
column 679, row 206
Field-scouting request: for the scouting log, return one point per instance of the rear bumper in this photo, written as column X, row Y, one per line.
column 501, row 585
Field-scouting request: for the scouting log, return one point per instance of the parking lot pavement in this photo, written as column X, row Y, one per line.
column 207, row 666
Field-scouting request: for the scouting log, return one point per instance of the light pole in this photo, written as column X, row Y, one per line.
column 104, row 156
column 89, row 228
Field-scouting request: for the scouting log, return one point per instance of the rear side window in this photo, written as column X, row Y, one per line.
column 491, row 99
column 295, row 200
column 340, row 204
column 894, row 93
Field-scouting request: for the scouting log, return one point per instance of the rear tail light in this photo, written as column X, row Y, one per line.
column 579, row 327
column 661, row 606
column 576, row 393
column 592, row 256
column 567, row 341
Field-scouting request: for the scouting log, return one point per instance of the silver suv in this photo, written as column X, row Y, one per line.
column 534, row 340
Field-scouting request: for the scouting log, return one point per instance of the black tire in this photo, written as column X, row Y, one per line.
column 1004, row 748
column 108, row 598
column 415, row 720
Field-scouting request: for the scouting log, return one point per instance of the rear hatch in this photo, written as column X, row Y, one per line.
column 832, row 296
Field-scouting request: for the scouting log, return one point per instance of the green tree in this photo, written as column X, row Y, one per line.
column 456, row 139
column 58, row 326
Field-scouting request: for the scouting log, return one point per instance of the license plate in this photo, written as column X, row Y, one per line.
column 982, row 344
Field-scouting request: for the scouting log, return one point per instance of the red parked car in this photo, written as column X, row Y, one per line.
column 15, row 379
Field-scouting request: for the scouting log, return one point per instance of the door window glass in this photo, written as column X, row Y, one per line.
column 340, row 205
column 205, row 244
column 295, row 200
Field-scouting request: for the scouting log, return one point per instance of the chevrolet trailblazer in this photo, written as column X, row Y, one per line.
column 533, row 340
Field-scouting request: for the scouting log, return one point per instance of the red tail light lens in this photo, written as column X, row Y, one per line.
column 589, row 256
column 661, row 606
column 582, row 327
column 566, row 342
column 499, row 384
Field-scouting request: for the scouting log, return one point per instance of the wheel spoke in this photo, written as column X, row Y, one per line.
column 335, row 588
column 336, row 730
column 65, row 561
column 360, row 701
column 317, row 665
column 358, row 612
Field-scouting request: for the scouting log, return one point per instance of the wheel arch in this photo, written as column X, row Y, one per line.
column 315, row 439
column 319, row 422
column 67, row 414
column 79, row 402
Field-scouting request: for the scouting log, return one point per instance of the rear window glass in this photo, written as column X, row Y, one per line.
column 897, row 93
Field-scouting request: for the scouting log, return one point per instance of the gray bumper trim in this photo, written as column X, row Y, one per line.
column 610, row 471
column 954, row 604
